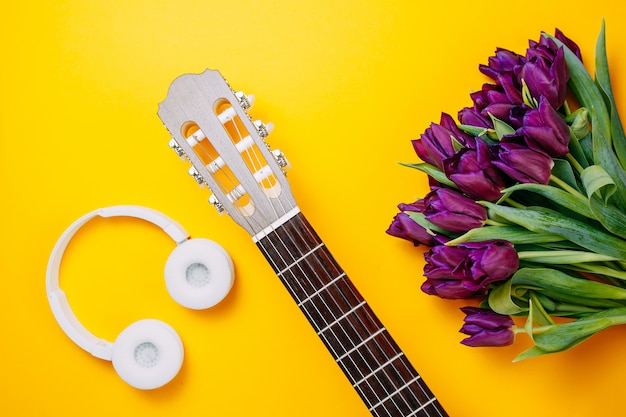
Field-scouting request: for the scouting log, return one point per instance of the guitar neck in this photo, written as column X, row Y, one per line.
column 378, row 370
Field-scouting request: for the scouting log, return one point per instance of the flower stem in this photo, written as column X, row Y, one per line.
column 574, row 162
column 565, row 186
column 514, row 203
column 490, row 222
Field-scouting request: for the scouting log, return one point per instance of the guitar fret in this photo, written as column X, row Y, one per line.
column 390, row 396
column 362, row 343
column 369, row 355
column 380, row 368
column 346, row 314
column 423, row 407
column 323, row 288
column 297, row 261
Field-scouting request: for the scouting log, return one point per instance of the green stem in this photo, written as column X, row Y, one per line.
column 514, row 203
column 570, row 158
column 565, row 186
column 490, row 222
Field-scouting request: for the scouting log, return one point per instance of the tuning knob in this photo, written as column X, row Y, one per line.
column 245, row 101
column 196, row 175
column 216, row 203
column 281, row 159
column 263, row 129
column 176, row 148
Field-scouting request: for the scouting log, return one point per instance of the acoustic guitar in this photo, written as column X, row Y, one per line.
column 210, row 126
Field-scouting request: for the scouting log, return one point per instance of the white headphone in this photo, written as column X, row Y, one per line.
column 149, row 353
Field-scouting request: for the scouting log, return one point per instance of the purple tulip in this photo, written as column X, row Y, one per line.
column 522, row 163
column 545, row 75
column 502, row 62
column 453, row 211
column 404, row 227
column 435, row 144
column 492, row 99
column 466, row 270
column 472, row 171
column 472, row 117
column 487, row 328
column 569, row 43
column 545, row 130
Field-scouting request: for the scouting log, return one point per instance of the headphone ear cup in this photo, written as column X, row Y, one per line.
column 147, row 354
column 199, row 273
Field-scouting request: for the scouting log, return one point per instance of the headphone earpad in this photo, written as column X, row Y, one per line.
column 199, row 273
column 148, row 354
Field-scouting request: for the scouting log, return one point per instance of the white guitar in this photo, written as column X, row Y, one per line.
column 210, row 126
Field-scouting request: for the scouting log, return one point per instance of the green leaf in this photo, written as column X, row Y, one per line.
column 502, row 128
column 556, row 195
column 532, row 352
column 612, row 218
column 563, row 170
column 560, row 337
column 433, row 171
column 596, row 180
column 501, row 300
column 552, row 222
column 603, row 79
column 564, row 336
column 537, row 313
column 603, row 155
column 558, row 282
column 563, row 257
column 487, row 135
column 514, row 234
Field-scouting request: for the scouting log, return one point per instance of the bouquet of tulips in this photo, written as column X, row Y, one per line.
column 526, row 213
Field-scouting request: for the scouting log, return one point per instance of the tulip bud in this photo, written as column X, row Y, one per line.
column 486, row 328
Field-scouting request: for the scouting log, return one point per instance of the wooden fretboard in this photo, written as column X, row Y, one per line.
column 374, row 364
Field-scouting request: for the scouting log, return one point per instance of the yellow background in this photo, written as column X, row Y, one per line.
column 347, row 84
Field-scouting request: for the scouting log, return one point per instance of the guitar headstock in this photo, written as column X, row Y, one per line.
column 210, row 126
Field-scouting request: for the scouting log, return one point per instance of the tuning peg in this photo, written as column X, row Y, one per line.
column 245, row 101
column 263, row 129
column 196, row 175
column 218, row 206
column 281, row 159
column 179, row 151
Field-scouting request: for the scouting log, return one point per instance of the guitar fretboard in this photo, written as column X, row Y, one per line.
column 374, row 364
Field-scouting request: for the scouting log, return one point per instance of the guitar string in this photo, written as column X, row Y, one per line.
column 386, row 335
column 257, row 164
column 397, row 390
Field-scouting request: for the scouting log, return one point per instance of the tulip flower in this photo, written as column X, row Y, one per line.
column 567, row 42
column 544, row 76
column 453, row 211
column 404, row 227
column 502, row 62
column 471, row 117
column 522, row 163
column 472, row 171
column 545, row 130
column 470, row 266
column 487, row 328
column 436, row 143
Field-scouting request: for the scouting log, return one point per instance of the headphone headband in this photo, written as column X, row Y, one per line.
column 58, row 301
